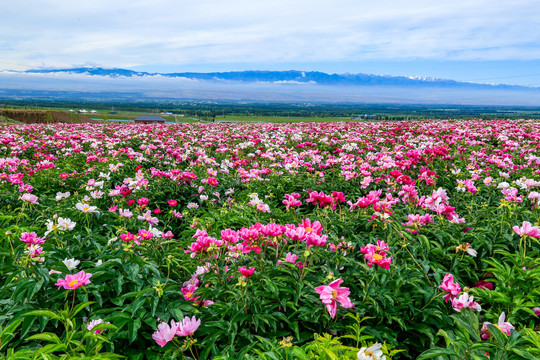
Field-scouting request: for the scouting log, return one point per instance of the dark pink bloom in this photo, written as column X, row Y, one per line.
column 482, row 284
column 32, row 238
column 376, row 254
column 189, row 292
column 292, row 200
column 246, row 272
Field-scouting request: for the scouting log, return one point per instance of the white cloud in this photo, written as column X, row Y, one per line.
column 131, row 33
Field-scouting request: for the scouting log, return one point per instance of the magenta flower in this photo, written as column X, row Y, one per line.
column 450, row 286
column 165, row 333
column 483, row 284
column 188, row 326
column 505, row 327
column 32, row 238
column 527, row 229
column 376, row 254
column 72, row 282
column 331, row 294
column 246, row 272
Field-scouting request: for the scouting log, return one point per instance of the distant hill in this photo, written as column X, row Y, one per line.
column 284, row 77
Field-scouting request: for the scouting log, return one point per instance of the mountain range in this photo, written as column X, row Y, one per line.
column 288, row 76
column 268, row 86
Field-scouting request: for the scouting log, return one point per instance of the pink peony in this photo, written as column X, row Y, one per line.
column 465, row 301
column 246, row 272
column 450, row 286
column 165, row 333
column 188, row 326
column 32, row 238
column 72, row 282
column 331, row 294
column 527, row 229
column 505, row 327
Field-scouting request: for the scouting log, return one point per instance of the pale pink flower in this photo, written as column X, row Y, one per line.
column 290, row 258
column 92, row 324
column 30, row 198
column 505, row 327
column 527, row 229
column 165, row 333
column 465, row 301
column 188, row 326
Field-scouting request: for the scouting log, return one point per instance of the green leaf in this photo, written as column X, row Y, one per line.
column 79, row 307
column 523, row 353
column 300, row 354
column 47, row 313
column 46, row 336
column 133, row 327
column 431, row 353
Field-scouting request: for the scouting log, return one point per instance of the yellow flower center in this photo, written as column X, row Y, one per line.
column 377, row 257
column 334, row 294
column 188, row 295
column 308, row 230
column 73, row 282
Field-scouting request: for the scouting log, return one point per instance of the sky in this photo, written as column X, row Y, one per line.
column 485, row 41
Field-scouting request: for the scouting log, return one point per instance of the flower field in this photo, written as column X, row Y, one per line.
column 263, row 241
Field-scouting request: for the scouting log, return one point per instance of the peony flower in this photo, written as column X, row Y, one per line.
column 331, row 294
column 450, row 286
column 290, row 258
column 32, row 238
column 71, row 264
column 60, row 195
column 92, row 324
column 66, row 224
column 483, row 284
column 246, row 272
column 86, row 208
column 29, row 198
column 188, row 326
column 527, row 229
column 373, row 352
column 465, row 301
column 72, row 282
column 467, row 248
column 376, row 254
column 165, row 333
column 505, row 327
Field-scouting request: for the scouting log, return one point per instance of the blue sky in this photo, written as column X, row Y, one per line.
column 475, row 40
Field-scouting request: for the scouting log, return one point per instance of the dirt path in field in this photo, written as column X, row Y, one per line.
column 44, row 116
